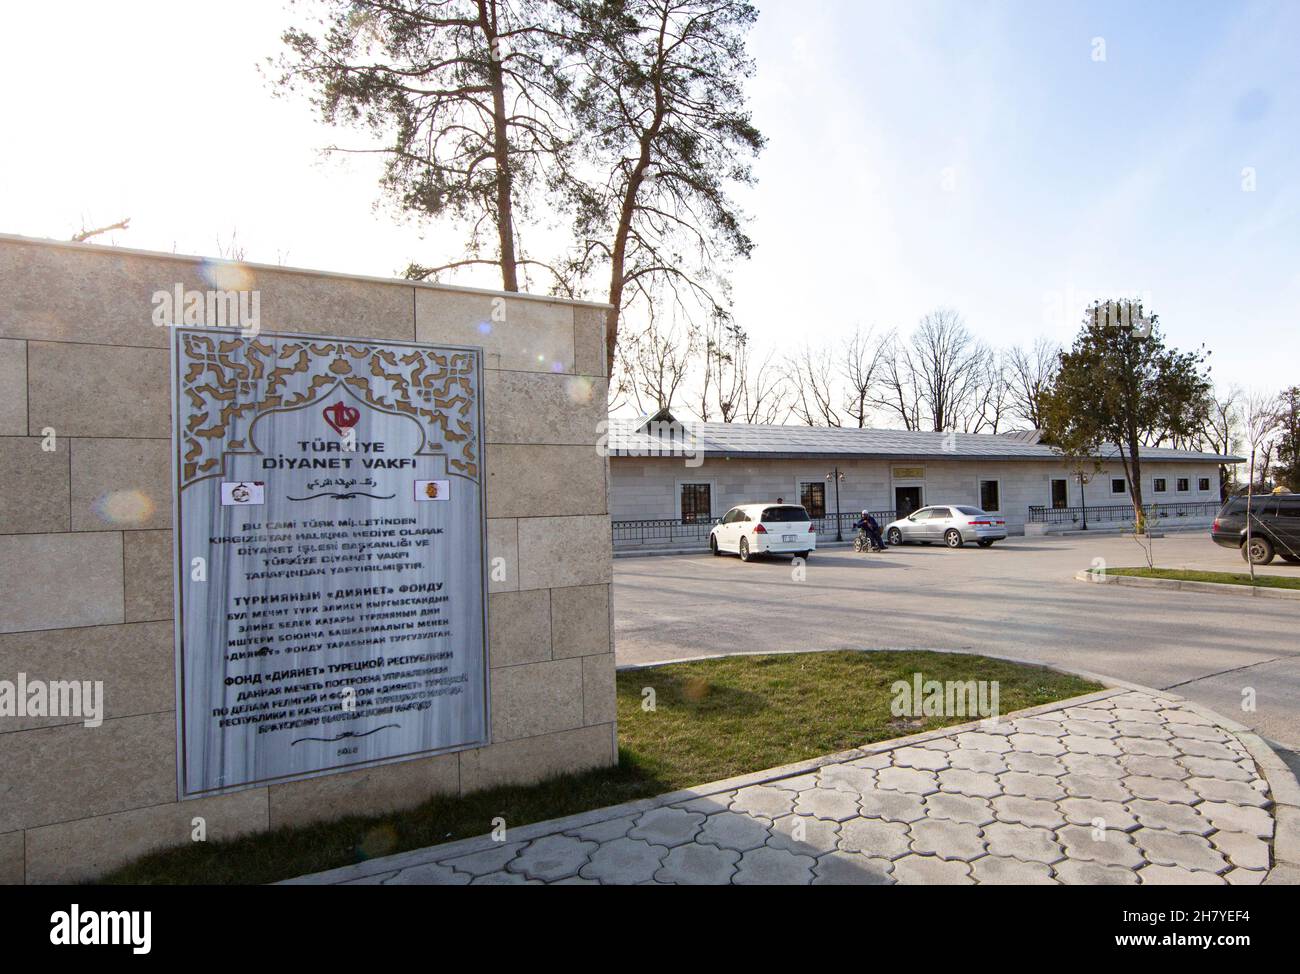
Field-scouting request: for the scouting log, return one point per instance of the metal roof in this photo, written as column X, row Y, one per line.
column 639, row 437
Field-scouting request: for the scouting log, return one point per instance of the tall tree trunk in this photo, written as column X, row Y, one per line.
column 500, row 148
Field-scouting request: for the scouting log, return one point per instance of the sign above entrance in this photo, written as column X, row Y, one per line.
column 909, row 473
column 329, row 616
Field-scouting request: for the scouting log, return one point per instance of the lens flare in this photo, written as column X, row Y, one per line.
column 224, row 275
column 124, row 507
column 579, row 389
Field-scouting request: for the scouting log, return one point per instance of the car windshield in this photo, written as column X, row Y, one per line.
column 971, row 510
column 787, row 513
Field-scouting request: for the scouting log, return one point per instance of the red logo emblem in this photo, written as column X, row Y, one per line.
column 341, row 417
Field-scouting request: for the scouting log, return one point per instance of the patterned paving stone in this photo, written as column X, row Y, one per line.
column 707, row 806
column 553, row 857
column 1153, row 767
column 799, row 782
column 1245, row 877
column 1091, row 811
column 875, row 838
column 1095, row 715
column 773, row 867
column 841, row 868
column 927, row 870
column 1182, row 716
column 667, row 826
column 505, row 879
column 1044, row 764
column 614, row 828
column 1001, row 871
column 920, row 757
column 428, row 874
column 845, row 777
column 1092, row 786
column 1138, row 701
column 892, row 806
column 979, row 741
column 1140, row 716
column 1179, row 849
column 986, row 761
column 1039, row 725
column 1073, row 872
column 1192, row 747
column 947, row 840
column 1090, row 728
column 1160, row 789
column 764, row 800
column 1028, row 811
column 1240, row 849
column 873, row 762
column 1238, row 818
column 1082, row 744
column 1176, row 876
column 958, row 808
column 1203, row 733
column 911, row 780
column 489, row 861
column 1037, row 744
column 698, row 865
column 1171, row 818
column 1140, row 745
column 1113, row 849
column 835, row 806
column 1093, row 765
column 1031, row 785
column 1022, row 842
column 625, row 862
column 804, row 834
column 1215, row 768
column 1132, row 728
column 975, row 783
column 733, row 830
column 1236, row 792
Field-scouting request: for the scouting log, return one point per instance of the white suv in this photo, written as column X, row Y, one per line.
column 762, row 529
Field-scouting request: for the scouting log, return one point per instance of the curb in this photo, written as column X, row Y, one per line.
column 1226, row 588
column 1283, row 787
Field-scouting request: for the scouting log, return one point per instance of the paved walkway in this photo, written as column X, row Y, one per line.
column 1119, row 786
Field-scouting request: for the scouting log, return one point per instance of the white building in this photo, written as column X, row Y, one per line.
column 667, row 478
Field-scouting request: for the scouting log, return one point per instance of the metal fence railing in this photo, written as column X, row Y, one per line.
column 670, row 531
column 1039, row 514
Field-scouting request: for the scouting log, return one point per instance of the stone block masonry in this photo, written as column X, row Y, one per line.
column 86, row 552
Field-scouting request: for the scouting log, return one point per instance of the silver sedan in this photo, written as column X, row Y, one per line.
column 953, row 526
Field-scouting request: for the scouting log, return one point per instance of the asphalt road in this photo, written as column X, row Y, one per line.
column 1018, row 598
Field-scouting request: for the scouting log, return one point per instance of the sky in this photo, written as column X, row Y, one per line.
column 1011, row 161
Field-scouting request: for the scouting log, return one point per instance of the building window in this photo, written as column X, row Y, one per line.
column 1117, row 485
column 696, row 503
column 813, row 497
column 1182, row 485
column 1160, row 485
column 1060, row 493
column 1203, row 485
column 989, row 499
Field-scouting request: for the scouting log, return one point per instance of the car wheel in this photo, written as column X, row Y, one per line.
column 952, row 538
column 744, row 550
column 986, row 544
column 895, row 536
column 1260, row 551
column 713, row 546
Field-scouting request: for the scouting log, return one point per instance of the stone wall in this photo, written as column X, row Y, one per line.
column 650, row 487
column 85, row 546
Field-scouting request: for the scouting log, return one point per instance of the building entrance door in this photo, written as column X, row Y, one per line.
column 906, row 500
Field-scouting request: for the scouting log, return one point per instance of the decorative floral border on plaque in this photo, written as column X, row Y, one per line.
column 230, row 380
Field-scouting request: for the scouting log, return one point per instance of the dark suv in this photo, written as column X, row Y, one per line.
column 1275, row 528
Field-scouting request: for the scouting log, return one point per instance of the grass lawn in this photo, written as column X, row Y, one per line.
column 712, row 719
column 1223, row 578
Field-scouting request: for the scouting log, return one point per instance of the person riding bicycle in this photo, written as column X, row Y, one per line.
column 869, row 526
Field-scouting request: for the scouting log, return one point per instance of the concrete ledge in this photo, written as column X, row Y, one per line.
column 1134, row 581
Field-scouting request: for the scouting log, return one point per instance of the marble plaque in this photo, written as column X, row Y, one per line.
column 330, row 542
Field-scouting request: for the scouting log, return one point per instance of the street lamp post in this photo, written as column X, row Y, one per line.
column 1083, row 499
column 838, row 478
